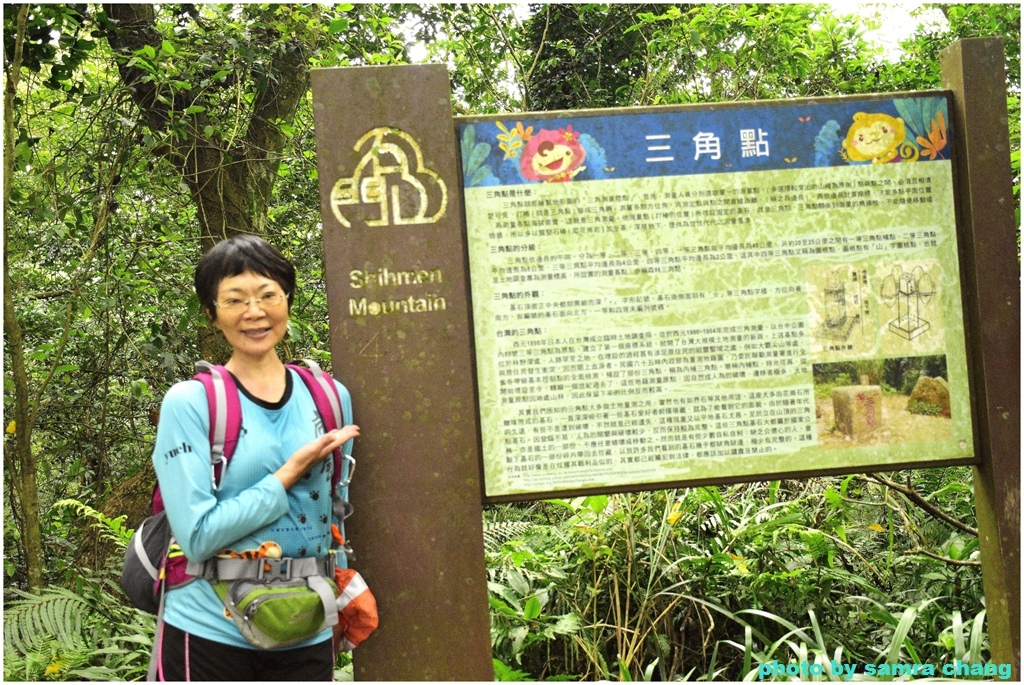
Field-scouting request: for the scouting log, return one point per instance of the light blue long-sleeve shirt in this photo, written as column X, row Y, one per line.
column 251, row 506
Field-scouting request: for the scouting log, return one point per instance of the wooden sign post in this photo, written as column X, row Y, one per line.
column 974, row 70
column 400, row 341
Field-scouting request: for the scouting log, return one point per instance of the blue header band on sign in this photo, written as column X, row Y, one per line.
column 517, row 150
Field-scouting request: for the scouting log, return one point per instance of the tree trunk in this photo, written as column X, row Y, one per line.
column 231, row 186
column 21, row 465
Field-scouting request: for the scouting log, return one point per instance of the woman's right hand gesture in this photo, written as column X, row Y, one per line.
column 313, row 453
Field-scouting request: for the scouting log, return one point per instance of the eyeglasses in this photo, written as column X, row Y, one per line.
column 235, row 305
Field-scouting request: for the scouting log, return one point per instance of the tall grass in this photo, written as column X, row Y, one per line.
column 708, row 583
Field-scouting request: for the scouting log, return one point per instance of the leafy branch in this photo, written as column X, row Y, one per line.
column 915, row 497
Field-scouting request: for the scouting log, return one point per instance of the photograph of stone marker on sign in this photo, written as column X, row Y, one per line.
column 882, row 401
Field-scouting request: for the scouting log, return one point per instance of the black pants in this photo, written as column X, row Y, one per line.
column 185, row 657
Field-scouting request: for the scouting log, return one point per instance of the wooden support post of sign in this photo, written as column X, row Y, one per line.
column 401, row 342
column 974, row 70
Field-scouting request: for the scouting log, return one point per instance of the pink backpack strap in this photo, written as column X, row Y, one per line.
column 225, row 427
column 156, row 503
column 225, row 421
column 225, row 414
column 328, row 404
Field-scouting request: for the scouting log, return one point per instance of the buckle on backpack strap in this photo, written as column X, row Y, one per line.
column 351, row 470
column 274, row 569
column 222, row 461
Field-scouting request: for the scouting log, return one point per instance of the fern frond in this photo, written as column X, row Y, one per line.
column 33, row 665
column 57, row 614
column 497, row 533
column 112, row 529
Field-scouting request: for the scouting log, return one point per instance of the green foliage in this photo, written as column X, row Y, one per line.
column 86, row 634
column 923, row 408
column 899, row 375
column 505, row 673
column 112, row 529
column 919, row 66
column 496, row 533
column 823, row 388
column 57, row 615
column 587, row 55
column 710, row 53
column 486, row 47
column 900, row 655
column 648, row 579
column 56, row 60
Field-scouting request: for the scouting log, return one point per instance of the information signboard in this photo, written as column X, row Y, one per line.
column 692, row 294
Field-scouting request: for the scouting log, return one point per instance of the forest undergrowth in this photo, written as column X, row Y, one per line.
column 696, row 584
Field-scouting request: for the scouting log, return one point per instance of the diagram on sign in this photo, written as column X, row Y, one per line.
column 908, row 292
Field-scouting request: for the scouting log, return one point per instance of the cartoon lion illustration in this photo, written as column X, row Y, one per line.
column 553, row 156
column 878, row 138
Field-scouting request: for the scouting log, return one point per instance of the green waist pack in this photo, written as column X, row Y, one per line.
column 279, row 613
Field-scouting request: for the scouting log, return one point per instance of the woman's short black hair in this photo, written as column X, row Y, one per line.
column 235, row 256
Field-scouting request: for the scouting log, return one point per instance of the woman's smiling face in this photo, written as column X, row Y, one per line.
column 256, row 329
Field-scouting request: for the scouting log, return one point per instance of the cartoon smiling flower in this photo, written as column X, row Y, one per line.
column 553, row 156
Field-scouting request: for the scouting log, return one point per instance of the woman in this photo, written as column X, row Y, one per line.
column 270, row 495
